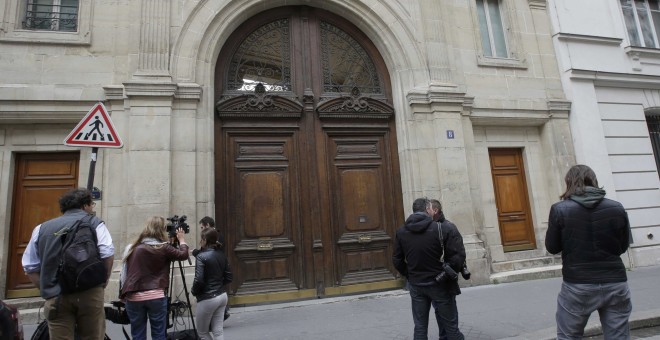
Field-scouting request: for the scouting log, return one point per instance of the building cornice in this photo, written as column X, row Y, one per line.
column 43, row 111
column 590, row 39
column 508, row 117
column 613, row 79
column 538, row 4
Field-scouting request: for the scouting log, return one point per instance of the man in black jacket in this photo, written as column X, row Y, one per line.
column 591, row 232
column 417, row 256
column 454, row 255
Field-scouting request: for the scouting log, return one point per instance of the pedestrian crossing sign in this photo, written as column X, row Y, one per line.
column 95, row 130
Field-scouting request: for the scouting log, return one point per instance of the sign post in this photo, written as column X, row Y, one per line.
column 95, row 130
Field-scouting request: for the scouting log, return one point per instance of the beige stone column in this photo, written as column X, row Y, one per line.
column 154, row 46
column 435, row 16
column 147, row 156
column 438, row 151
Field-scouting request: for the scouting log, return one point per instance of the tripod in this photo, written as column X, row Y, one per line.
column 185, row 289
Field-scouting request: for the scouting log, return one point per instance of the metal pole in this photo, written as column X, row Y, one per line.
column 92, row 167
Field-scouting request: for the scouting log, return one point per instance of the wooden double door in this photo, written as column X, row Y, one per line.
column 307, row 175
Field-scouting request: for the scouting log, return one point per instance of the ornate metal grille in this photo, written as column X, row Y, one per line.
column 263, row 57
column 346, row 64
column 51, row 15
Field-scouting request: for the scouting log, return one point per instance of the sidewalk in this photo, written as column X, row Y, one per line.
column 520, row 310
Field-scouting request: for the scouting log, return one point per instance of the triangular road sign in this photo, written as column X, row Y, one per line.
column 95, row 130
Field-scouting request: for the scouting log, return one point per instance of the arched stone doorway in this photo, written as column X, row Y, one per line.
column 308, row 191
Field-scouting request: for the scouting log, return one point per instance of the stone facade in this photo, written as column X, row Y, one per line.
column 613, row 85
column 152, row 62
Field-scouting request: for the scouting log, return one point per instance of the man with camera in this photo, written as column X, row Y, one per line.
column 420, row 247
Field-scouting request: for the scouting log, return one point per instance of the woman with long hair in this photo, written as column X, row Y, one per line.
column 212, row 273
column 145, row 277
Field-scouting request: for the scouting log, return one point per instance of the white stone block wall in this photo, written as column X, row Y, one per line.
column 440, row 81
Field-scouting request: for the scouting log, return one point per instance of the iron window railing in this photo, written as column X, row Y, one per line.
column 51, row 15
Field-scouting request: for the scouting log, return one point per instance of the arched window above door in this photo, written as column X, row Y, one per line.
column 263, row 57
column 290, row 52
column 346, row 65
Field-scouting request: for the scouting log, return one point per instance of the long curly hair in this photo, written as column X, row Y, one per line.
column 153, row 228
column 577, row 179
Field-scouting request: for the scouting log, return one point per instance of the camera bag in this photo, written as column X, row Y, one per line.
column 449, row 271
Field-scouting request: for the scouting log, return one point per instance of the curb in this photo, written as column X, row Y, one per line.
column 319, row 301
column 641, row 319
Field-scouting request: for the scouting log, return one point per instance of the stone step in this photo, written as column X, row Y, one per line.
column 527, row 274
column 26, row 303
column 32, row 316
column 506, row 266
column 525, row 254
column 30, row 309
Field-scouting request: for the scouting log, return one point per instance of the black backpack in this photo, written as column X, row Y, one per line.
column 81, row 267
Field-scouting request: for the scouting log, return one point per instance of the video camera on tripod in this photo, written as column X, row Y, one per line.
column 175, row 223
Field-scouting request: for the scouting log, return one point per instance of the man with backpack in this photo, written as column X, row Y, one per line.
column 74, row 295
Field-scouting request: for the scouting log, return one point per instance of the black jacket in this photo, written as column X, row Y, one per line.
column 591, row 232
column 417, row 250
column 212, row 273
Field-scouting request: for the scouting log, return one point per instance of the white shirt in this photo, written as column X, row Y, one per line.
column 32, row 261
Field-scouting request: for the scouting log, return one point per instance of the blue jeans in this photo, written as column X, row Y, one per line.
column 447, row 312
column 438, row 319
column 156, row 310
column 576, row 302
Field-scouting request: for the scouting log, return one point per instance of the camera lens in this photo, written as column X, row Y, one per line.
column 465, row 273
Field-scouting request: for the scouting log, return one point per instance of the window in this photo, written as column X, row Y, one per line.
column 51, row 15
column 493, row 41
column 653, row 122
column 642, row 19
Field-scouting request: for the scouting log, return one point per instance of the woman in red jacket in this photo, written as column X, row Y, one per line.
column 145, row 278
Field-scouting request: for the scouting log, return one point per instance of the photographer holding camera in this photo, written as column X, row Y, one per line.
column 146, row 271
column 418, row 251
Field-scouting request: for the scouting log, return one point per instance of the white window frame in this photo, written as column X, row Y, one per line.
column 489, row 28
column 515, row 57
column 638, row 25
column 11, row 26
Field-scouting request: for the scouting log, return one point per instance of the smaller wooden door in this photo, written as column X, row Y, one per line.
column 39, row 181
column 511, row 198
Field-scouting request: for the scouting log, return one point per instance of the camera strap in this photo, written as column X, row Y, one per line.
column 442, row 242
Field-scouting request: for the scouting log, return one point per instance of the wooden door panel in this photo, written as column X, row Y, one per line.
column 513, row 212
column 263, row 200
column 508, row 193
column 361, row 178
column 39, row 182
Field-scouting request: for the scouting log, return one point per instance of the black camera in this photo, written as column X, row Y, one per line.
column 177, row 222
column 448, row 274
column 465, row 273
